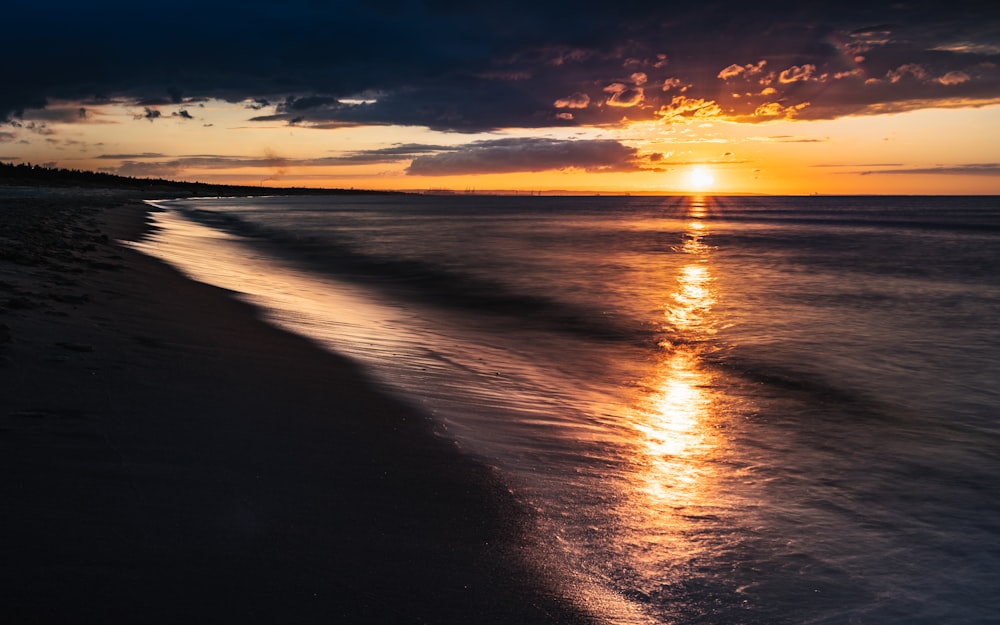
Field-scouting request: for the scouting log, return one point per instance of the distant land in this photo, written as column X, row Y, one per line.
column 28, row 175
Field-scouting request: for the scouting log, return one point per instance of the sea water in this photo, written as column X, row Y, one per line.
column 721, row 410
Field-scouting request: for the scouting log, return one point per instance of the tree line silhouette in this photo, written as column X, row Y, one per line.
column 26, row 174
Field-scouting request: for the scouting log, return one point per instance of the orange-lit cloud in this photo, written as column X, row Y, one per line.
column 734, row 70
column 954, row 78
column 797, row 73
column 575, row 101
column 682, row 108
column 624, row 96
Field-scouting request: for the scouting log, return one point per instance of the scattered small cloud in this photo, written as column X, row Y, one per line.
column 797, row 73
column 308, row 102
column 969, row 47
column 777, row 109
column 256, row 104
column 682, row 108
column 954, row 78
column 734, row 70
column 38, row 128
column 907, row 70
column 673, row 83
column 148, row 114
column 623, row 96
column 575, row 101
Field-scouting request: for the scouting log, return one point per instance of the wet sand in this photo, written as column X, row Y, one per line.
column 166, row 457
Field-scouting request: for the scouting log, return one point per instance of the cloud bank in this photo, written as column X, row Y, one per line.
column 470, row 67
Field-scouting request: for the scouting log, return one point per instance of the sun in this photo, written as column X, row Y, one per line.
column 700, row 178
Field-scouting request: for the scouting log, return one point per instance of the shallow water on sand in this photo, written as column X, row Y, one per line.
column 723, row 410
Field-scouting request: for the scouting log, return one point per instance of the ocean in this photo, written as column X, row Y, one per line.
column 720, row 410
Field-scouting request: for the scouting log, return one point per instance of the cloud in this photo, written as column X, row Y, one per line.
column 730, row 72
column 970, row 47
column 119, row 157
column 60, row 115
column 527, row 155
column 148, row 114
column 7, row 137
column 735, row 71
column 623, row 96
column 575, row 101
column 682, row 108
column 910, row 69
column 471, row 67
column 38, row 128
column 789, row 139
column 777, row 109
column 274, row 166
column 971, row 169
column 256, row 104
column 673, row 83
column 797, row 73
column 392, row 154
column 954, row 78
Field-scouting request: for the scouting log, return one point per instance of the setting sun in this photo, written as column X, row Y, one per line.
column 700, row 179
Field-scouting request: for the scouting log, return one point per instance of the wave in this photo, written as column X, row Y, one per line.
column 424, row 282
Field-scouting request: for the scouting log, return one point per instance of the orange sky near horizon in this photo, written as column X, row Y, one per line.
column 930, row 151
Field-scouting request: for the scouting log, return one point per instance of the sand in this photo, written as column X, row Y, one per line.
column 166, row 457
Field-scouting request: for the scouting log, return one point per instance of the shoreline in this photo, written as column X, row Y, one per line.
column 167, row 456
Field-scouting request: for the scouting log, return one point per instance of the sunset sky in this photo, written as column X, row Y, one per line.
column 640, row 97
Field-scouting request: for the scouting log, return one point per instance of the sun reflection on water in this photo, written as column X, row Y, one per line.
column 675, row 421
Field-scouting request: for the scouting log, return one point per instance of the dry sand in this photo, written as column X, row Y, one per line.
column 166, row 457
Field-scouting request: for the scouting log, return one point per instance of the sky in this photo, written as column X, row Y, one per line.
column 527, row 96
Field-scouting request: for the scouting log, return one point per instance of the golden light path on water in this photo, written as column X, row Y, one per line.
column 676, row 424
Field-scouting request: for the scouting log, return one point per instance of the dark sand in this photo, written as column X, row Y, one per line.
column 166, row 457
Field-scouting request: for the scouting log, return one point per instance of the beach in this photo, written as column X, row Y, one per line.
column 168, row 457
column 374, row 408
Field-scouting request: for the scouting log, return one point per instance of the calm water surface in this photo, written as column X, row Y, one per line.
column 723, row 410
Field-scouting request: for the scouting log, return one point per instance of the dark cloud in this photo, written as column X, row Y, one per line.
column 391, row 154
column 139, row 169
column 257, row 104
column 499, row 155
column 971, row 169
column 7, row 137
column 148, row 163
column 479, row 66
column 792, row 139
column 118, row 157
column 183, row 114
column 38, row 128
column 64, row 115
column 525, row 155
